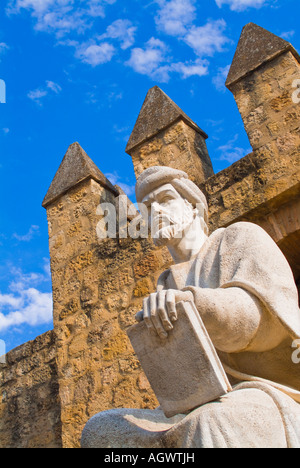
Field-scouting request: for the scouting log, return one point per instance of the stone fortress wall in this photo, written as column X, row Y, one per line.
column 51, row 386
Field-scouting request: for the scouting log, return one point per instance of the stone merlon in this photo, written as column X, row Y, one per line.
column 75, row 168
column 256, row 47
column 158, row 113
column 165, row 136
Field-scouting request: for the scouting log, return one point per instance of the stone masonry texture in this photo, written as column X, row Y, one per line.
column 30, row 406
column 51, row 386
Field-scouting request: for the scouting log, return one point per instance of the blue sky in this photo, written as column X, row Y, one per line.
column 79, row 71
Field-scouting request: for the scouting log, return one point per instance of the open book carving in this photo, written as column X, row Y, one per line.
column 184, row 370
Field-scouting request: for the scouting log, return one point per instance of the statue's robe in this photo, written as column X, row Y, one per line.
column 244, row 256
column 263, row 410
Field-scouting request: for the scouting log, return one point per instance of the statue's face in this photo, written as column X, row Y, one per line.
column 169, row 214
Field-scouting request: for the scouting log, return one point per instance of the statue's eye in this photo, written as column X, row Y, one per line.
column 166, row 199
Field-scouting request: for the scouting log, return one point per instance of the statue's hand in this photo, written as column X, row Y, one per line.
column 159, row 310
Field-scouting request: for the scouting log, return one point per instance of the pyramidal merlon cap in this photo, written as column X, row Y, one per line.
column 75, row 168
column 158, row 113
column 256, row 47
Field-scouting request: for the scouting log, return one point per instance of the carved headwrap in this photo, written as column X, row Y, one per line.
column 157, row 176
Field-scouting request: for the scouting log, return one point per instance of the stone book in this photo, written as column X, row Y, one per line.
column 184, row 370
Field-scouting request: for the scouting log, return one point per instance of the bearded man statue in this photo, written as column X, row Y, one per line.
column 243, row 288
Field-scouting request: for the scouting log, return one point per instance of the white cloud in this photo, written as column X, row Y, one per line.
column 177, row 18
column 91, row 52
column 208, row 39
column 37, row 6
column 54, row 87
column 38, row 94
column 154, row 62
column 61, row 21
column 29, row 236
column 46, row 268
column 241, row 5
column 175, row 15
column 95, row 54
column 149, row 61
column 232, row 153
column 23, row 281
column 61, row 16
column 220, row 79
column 30, row 306
column 3, row 47
column 115, row 179
column 25, row 304
column 197, row 68
column 122, row 30
column 288, row 35
column 9, row 300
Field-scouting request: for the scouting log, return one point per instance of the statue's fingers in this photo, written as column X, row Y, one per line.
column 146, row 313
column 163, row 312
column 154, row 315
column 171, row 305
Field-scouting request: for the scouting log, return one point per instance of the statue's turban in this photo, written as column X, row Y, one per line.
column 157, row 176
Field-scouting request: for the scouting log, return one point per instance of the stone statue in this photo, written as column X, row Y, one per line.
column 244, row 291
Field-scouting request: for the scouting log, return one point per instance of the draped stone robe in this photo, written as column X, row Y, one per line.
column 244, row 256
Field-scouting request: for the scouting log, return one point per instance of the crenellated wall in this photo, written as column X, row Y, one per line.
column 51, row 386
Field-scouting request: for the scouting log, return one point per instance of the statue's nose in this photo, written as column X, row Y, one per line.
column 155, row 212
column 155, row 207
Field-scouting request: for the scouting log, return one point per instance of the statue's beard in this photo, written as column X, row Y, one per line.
column 168, row 226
